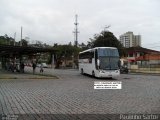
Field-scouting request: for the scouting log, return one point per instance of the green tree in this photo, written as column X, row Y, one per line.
column 63, row 52
column 2, row 40
column 5, row 40
column 105, row 39
column 24, row 42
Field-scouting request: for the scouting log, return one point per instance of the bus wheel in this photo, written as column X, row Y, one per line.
column 93, row 74
column 82, row 71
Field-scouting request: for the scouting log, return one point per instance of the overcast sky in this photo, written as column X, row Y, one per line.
column 52, row 21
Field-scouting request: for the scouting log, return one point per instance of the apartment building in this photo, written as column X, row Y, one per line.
column 128, row 39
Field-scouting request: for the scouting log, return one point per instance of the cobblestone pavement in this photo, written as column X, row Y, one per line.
column 73, row 93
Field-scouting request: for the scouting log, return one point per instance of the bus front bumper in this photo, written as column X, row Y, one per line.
column 108, row 74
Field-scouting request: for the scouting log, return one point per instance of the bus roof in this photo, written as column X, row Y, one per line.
column 97, row 48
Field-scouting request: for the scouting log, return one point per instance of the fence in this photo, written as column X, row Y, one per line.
column 150, row 68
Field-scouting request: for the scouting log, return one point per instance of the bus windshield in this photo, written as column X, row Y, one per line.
column 108, row 52
column 108, row 58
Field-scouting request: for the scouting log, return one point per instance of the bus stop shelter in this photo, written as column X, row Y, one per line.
column 10, row 52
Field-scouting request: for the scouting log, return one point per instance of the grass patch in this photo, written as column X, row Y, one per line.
column 26, row 75
column 8, row 78
column 4, row 78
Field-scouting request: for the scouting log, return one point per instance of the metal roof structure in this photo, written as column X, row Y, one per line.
column 141, row 49
column 7, row 50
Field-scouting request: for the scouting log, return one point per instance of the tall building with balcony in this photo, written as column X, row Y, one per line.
column 137, row 40
column 128, row 39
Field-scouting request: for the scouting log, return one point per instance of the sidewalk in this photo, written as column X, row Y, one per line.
column 142, row 73
column 27, row 75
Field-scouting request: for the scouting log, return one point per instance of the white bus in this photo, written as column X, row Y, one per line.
column 100, row 62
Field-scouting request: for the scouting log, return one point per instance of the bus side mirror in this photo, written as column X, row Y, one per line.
column 119, row 63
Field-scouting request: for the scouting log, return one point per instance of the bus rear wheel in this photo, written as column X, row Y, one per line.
column 93, row 73
column 82, row 71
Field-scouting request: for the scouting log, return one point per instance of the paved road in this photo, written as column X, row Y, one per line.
column 73, row 93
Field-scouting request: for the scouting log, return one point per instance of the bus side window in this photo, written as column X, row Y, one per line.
column 91, row 56
column 90, row 60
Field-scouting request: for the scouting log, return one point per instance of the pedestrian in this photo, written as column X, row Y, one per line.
column 41, row 68
column 22, row 67
column 34, row 67
column 63, row 64
column 12, row 66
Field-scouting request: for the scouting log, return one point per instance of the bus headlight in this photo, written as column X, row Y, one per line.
column 102, row 71
column 116, row 71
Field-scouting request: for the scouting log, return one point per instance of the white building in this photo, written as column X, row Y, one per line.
column 137, row 40
column 128, row 39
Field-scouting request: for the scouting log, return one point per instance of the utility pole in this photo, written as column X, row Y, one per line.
column 21, row 37
column 76, row 31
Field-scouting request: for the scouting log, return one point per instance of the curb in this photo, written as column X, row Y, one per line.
column 29, row 78
column 33, row 76
column 139, row 73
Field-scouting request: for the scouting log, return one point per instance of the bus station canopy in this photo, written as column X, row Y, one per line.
column 7, row 50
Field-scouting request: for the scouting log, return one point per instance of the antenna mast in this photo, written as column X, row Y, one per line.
column 76, row 31
column 21, row 36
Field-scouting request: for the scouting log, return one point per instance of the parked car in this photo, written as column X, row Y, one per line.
column 124, row 69
column 44, row 65
column 38, row 65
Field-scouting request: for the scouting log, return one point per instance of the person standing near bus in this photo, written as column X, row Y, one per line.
column 34, row 67
column 41, row 68
column 22, row 67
